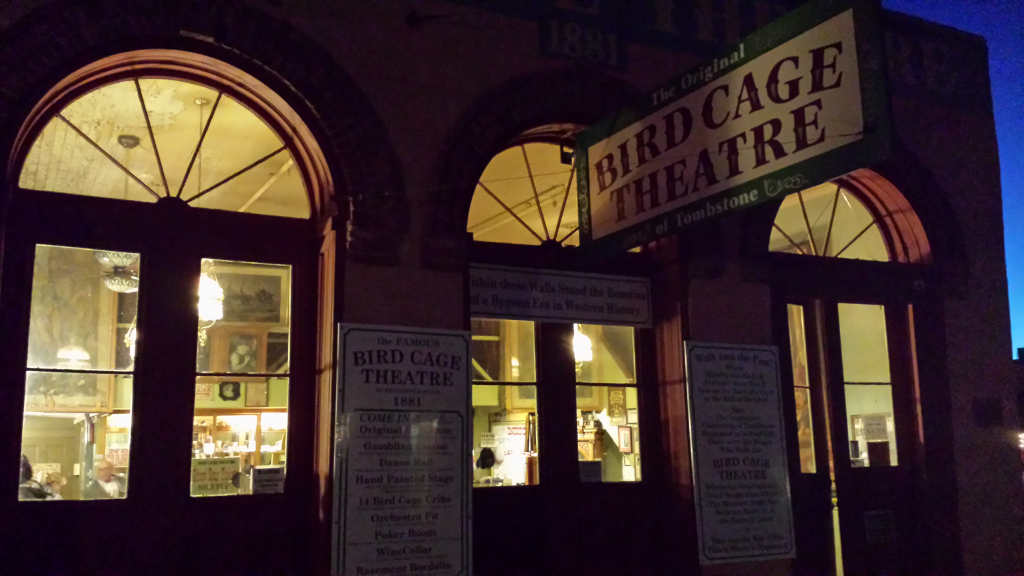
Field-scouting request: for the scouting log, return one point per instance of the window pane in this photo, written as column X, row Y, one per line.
column 503, row 351
column 868, row 390
column 239, row 436
column 76, row 433
column 864, row 343
column 604, row 354
column 871, row 426
column 505, row 435
column 801, row 385
column 240, row 425
column 80, row 298
column 243, row 318
column 608, row 434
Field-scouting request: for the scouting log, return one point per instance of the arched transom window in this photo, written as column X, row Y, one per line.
column 146, row 138
column 526, row 195
column 828, row 220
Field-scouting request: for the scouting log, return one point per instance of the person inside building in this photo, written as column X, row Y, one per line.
column 28, row 488
column 106, row 484
column 53, row 483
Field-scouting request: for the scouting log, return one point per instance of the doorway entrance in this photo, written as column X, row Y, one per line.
column 854, row 386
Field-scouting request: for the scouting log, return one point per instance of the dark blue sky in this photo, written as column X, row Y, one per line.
column 1001, row 22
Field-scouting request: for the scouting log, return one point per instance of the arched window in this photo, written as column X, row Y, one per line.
column 828, row 220
column 161, row 233
column 527, row 195
column 146, row 138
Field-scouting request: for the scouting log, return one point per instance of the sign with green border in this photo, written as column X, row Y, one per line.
column 798, row 103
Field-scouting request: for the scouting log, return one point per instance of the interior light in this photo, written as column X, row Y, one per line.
column 119, row 421
column 274, row 421
column 73, row 354
column 129, row 340
column 211, row 299
column 581, row 345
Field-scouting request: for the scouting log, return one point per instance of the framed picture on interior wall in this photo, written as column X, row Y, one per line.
column 626, row 439
column 522, row 397
column 68, row 392
column 254, row 294
column 230, row 391
column 632, row 416
column 256, row 395
column 617, row 406
column 589, row 397
column 203, row 356
column 243, row 353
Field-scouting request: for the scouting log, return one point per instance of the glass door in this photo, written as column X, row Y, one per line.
column 856, row 418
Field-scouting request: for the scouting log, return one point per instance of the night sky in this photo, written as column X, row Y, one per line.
column 1001, row 22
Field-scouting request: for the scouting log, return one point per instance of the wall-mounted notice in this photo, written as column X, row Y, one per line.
column 402, row 477
column 528, row 294
column 738, row 449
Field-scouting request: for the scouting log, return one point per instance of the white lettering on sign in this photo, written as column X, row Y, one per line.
column 528, row 294
column 740, row 473
column 402, row 452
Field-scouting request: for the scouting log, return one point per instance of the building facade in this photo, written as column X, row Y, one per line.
column 196, row 194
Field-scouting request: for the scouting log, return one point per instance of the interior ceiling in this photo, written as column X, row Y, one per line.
column 852, row 227
column 508, row 177
column 61, row 160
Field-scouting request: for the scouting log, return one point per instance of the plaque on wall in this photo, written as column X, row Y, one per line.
column 738, row 453
column 402, row 452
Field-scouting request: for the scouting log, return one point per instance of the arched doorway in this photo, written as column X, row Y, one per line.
column 159, row 304
column 846, row 258
column 579, row 391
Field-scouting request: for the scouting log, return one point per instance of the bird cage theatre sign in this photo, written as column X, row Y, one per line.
column 795, row 104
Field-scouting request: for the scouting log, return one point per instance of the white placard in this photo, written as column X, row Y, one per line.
column 488, row 440
column 268, row 479
column 875, row 429
column 528, row 294
column 402, row 476
column 738, row 451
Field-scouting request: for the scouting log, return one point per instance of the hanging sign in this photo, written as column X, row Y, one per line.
column 738, row 453
column 795, row 104
column 402, row 454
column 528, row 294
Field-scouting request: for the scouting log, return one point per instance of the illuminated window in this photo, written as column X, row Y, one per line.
column 801, row 388
column 526, row 195
column 608, row 415
column 828, row 220
column 76, row 433
column 240, row 425
column 867, row 385
column 505, row 435
column 146, row 138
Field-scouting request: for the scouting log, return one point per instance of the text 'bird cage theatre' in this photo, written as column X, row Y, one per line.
column 538, row 287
